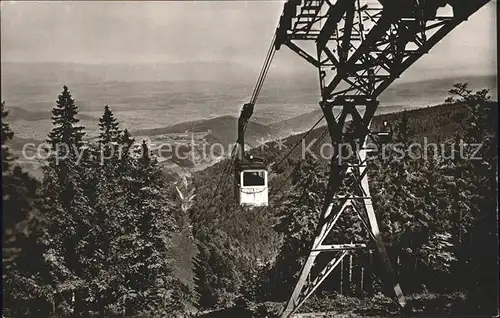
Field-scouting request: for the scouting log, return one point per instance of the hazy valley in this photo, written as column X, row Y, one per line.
column 185, row 104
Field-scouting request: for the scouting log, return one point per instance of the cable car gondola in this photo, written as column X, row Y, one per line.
column 250, row 172
column 251, row 182
column 385, row 135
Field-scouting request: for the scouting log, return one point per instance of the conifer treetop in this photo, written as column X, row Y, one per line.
column 65, row 130
column 7, row 134
column 108, row 126
column 127, row 139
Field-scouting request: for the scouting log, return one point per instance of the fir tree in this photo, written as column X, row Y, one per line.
column 24, row 274
column 126, row 143
column 477, row 173
column 65, row 132
column 109, row 139
column 7, row 134
column 109, row 131
column 18, row 194
column 66, row 141
column 126, row 139
column 66, row 208
column 218, row 271
column 298, row 219
column 403, row 129
column 142, row 265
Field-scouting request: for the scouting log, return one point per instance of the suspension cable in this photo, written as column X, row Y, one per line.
column 297, row 144
column 255, row 94
column 320, row 139
column 323, row 135
column 224, row 171
column 227, row 167
column 288, row 153
column 263, row 72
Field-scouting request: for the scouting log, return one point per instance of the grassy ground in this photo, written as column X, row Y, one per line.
column 337, row 306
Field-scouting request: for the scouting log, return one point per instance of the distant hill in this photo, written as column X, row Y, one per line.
column 17, row 143
column 435, row 90
column 398, row 97
column 438, row 124
column 297, row 124
column 14, row 73
column 305, row 121
column 18, row 113
column 222, row 130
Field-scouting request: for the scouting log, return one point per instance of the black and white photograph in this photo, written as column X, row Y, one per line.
column 249, row 158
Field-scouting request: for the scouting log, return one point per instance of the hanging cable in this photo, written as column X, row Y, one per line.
column 220, row 181
column 288, row 153
column 253, row 99
column 226, row 169
column 263, row 72
column 297, row 144
column 320, row 139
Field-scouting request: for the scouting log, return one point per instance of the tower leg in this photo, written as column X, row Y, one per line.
column 357, row 198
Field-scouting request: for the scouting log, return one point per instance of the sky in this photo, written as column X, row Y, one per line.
column 101, row 32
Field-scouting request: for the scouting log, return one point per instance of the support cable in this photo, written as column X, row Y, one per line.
column 297, row 144
column 263, row 72
column 227, row 167
column 255, row 94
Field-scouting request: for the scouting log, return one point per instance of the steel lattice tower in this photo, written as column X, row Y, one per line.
column 359, row 47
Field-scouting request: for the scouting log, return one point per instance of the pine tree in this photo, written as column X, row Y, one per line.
column 126, row 143
column 126, row 139
column 298, row 219
column 403, row 129
column 65, row 131
column 7, row 134
column 477, row 175
column 109, row 141
column 142, row 266
column 109, row 132
column 66, row 208
column 218, row 271
column 24, row 274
